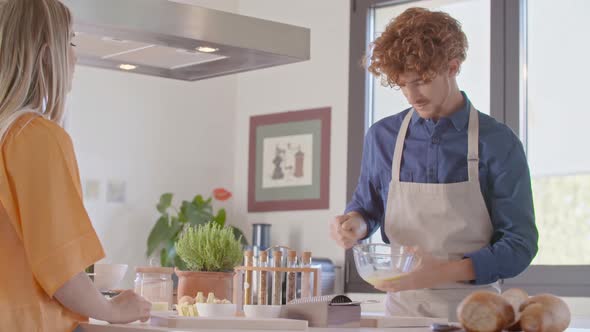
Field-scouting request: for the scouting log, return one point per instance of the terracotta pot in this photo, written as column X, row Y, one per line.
column 191, row 282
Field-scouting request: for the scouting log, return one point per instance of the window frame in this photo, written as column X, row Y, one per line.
column 508, row 89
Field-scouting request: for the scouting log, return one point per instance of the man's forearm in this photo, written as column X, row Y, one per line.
column 457, row 271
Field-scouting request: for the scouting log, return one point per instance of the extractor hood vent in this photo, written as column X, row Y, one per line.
column 180, row 41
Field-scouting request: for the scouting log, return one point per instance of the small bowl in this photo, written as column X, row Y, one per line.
column 108, row 276
column 262, row 311
column 377, row 263
column 216, row 310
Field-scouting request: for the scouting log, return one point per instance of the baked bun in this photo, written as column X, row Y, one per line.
column 544, row 313
column 484, row 311
column 516, row 297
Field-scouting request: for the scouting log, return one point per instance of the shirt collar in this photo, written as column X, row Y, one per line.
column 416, row 119
column 458, row 119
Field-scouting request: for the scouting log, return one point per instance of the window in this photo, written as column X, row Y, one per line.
column 556, row 119
column 527, row 72
column 474, row 77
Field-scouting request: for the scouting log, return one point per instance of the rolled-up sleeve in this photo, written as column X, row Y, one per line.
column 366, row 199
column 57, row 234
column 514, row 242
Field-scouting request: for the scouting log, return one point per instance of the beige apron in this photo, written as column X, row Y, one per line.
column 447, row 220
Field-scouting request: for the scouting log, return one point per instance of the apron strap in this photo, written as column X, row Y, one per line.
column 399, row 147
column 473, row 146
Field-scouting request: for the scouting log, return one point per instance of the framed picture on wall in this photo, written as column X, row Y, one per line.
column 289, row 161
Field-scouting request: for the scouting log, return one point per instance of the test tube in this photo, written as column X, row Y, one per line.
column 262, row 279
column 306, row 276
column 291, row 276
column 248, row 278
column 276, row 279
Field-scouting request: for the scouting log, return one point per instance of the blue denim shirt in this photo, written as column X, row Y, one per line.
column 436, row 152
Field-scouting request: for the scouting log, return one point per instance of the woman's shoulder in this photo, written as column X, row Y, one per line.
column 32, row 129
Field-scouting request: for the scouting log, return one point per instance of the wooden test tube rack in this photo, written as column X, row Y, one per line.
column 238, row 288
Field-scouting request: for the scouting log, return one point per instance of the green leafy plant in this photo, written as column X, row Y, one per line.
column 173, row 221
column 209, row 247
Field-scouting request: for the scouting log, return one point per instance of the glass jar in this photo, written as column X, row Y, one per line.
column 155, row 285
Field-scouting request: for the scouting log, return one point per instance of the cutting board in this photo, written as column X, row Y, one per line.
column 238, row 323
column 382, row 321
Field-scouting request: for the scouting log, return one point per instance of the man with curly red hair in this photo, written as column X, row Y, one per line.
column 440, row 177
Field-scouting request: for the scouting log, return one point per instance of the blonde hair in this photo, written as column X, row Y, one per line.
column 34, row 59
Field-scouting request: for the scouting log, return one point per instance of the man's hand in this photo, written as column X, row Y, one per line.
column 431, row 272
column 426, row 275
column 347, row 229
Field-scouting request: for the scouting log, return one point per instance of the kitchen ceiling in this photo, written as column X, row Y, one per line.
column 180, row 41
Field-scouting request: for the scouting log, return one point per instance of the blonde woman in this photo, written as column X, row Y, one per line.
column 46, row 238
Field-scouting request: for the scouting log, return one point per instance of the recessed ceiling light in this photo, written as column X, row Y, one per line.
column 182, row 50
column 207, row 49
column 127, row 67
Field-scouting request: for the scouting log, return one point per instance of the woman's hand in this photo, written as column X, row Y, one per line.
column 128, row 307
column 430, row 273
column 81, row 296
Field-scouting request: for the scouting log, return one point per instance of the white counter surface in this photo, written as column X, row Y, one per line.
column 580, row 308
column 102, row 327
column 96, row 326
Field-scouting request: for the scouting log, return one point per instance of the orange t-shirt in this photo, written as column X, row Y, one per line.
column 46, row 236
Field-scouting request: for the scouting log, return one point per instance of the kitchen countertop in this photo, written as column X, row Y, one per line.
column 101, row 327
column 97, row 326
column 579, row 306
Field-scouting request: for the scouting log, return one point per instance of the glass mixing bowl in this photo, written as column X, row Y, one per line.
column 377, row 263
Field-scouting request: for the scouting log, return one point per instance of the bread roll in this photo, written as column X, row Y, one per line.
column 544, row 313
column 484, row 311
column 516, row 297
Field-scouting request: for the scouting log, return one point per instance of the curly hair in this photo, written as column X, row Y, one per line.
column 420, row 41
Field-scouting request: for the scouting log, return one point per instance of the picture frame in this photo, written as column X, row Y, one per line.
column 289, row 161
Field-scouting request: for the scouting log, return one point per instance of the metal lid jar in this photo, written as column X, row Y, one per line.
column 155, row 285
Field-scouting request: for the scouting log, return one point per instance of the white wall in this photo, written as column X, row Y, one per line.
column 157, row 135
column 160, row 135
column 322, row 81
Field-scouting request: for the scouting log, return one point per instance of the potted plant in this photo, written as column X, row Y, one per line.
column 209, row 252
column 173, row 221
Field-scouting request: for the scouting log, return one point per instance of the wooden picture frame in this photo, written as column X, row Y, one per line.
column 289, row 161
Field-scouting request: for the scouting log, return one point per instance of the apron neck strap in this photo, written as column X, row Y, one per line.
column 472, row 146
column 399, row 146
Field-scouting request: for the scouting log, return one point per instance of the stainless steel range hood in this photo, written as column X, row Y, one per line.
column 180, row 41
